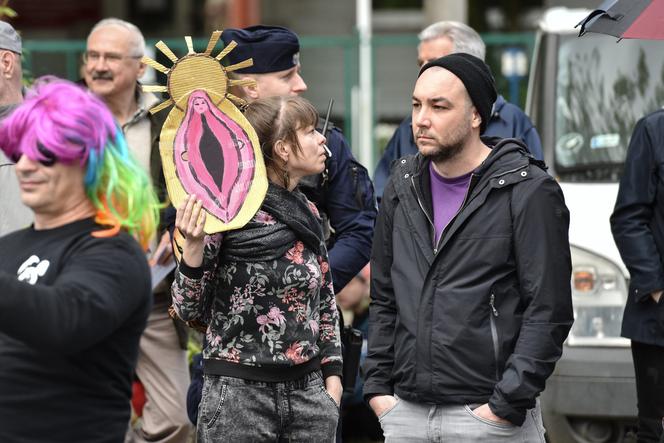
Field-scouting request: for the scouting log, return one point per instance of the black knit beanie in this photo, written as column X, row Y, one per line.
column 476, row 77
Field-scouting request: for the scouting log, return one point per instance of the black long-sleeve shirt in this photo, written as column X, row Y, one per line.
column 72, row 309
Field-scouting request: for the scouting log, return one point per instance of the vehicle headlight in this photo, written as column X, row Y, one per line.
column 599, row 293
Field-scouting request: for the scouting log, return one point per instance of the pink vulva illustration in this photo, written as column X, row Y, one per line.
column 213, row 156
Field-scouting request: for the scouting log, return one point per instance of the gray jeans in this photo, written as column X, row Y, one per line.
column 236, row 410
column 417, row 422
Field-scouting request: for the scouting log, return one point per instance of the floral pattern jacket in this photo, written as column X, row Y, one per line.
column 273, row 315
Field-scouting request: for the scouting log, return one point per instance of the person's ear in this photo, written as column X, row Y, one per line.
column 476, row 120
column 282, row 150
column 251, row 91
column 141, row 69
column 7, row 62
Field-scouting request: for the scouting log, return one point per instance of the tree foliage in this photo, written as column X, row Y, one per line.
column 6, row 11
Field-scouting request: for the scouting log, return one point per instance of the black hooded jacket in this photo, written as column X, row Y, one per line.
column 482, row 316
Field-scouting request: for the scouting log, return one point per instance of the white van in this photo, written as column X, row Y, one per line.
column 585, row 94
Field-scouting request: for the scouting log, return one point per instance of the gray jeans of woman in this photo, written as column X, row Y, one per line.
column 237, row 410
column 423, row 423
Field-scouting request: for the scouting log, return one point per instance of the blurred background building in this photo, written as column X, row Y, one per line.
column 54, row 34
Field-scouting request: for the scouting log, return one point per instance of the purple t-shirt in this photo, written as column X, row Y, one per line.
column 447, row 195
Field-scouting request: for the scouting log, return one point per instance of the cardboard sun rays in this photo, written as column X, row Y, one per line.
column 207, row 147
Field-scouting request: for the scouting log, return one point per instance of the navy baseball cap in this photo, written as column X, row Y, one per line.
column 273, row 48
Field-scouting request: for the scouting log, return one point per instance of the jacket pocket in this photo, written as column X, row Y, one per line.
column 464, row 345
column 362, row 186
column 505, row 317
column 495, row 341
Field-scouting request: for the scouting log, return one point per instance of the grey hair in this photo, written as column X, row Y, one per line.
column 463, row 37
column 137, row 42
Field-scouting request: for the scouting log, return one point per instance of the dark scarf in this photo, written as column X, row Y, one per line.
column 260, row 242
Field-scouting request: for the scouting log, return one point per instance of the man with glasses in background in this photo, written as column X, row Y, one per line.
column 112, row 69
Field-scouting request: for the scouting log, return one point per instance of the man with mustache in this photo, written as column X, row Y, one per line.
column 470, row 271
column 13, row 214
column 112, row 69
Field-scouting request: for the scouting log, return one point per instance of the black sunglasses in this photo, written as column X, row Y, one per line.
column 48, row 160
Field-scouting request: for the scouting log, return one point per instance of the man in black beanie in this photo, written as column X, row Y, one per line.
column 506, row 120
column 470, row 295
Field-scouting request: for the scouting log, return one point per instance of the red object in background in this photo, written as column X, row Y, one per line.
column 137, row 397
column 59, row 14
column 650, row 24
column 642, row 19
column 243, row 13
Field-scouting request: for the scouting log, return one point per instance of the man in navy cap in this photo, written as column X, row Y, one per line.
column 343, row 193
column 276, row 55
column 13, row 214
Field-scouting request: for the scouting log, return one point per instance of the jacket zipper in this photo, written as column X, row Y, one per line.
column 419, row 202
column 433, row 226
column 494, row 333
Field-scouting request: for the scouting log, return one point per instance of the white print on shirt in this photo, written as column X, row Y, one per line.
column 32, row 269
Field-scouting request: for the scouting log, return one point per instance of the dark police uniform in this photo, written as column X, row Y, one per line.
column 344, row 196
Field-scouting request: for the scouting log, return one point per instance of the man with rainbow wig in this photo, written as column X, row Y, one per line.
column 75, row 285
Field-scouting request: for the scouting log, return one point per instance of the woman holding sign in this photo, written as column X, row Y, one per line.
column 272, row 360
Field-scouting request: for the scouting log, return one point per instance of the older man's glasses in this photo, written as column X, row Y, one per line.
column 112, row 58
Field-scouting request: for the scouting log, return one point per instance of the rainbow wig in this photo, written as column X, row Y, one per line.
column 60, row 121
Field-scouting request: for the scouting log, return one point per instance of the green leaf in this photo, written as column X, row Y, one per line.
column 7, row 12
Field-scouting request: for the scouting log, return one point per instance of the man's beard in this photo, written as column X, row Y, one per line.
column 451, row 146
column 444, row 152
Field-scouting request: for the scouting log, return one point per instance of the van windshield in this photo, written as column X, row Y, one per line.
column 603, row 88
